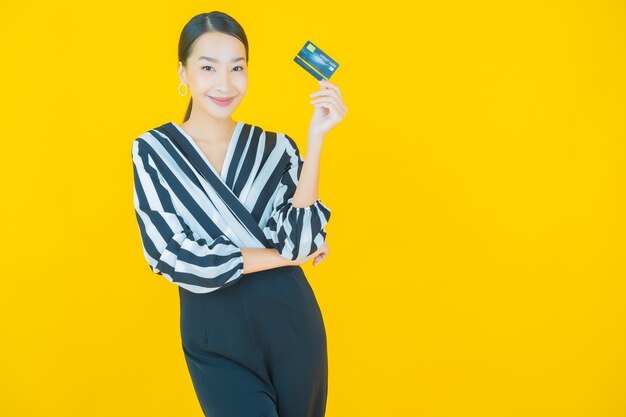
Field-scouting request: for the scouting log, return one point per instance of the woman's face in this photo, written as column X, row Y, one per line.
column 217, row 68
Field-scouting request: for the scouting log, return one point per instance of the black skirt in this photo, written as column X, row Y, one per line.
column 258, row 347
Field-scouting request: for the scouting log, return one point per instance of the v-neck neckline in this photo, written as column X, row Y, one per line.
column 229, row 151
column 194, row 155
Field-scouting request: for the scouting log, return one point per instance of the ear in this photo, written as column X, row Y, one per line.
column 182, row 74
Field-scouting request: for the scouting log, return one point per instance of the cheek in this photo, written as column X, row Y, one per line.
column 241, row 82
column 198, row 81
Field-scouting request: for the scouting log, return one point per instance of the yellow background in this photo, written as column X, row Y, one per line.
column 476, row 185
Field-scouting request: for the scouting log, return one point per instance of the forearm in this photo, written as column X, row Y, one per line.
column 307, row 191
column 260, row 259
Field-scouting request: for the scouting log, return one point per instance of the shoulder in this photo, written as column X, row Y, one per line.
column 148, row 140
column 289, row 141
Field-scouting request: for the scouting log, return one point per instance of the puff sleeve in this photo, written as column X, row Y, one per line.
column 171, row 248
column 296, row 232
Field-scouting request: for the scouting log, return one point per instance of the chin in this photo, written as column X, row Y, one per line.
column 226, row 114
column 220, row 116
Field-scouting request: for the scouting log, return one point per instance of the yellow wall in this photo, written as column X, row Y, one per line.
column 477, row 189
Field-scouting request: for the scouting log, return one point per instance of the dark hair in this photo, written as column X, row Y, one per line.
column 214, row 21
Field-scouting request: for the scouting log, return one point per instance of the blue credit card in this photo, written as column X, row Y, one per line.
column 316, row 62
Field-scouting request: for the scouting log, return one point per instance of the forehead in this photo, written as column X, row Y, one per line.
column 218, row 45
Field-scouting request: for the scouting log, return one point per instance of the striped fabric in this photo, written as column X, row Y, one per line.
column 193, row 220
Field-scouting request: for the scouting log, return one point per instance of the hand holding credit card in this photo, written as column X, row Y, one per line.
column 316, row 62
column 328, row 102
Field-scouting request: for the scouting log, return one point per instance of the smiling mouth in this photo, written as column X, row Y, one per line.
column 223, row 99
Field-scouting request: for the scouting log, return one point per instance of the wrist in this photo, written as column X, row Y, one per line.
column 281, row 260
column 314, row 145
column 314, row 137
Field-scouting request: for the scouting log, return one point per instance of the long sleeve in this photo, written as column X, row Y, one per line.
column 296, row 232
column 171, row 248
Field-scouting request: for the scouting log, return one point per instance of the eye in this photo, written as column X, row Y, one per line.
column 207, row 66
column 239, row 66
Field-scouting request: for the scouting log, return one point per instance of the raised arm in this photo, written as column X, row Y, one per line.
column 297, row 231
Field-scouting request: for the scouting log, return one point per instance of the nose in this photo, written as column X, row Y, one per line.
column 222, row 81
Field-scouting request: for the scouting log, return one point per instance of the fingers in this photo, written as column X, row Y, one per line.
column 333, row 100
column 329, row 91
column 319, row 259
column 332, row 106
column 319, row 100
column 331, row 86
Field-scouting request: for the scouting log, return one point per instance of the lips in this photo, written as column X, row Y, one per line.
column 221, row 101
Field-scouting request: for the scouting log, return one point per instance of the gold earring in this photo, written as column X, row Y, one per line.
column 179, row 92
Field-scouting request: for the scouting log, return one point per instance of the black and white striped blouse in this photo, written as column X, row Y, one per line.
column 192, row 220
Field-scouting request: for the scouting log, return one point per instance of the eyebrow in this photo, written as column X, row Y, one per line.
column 208, row 58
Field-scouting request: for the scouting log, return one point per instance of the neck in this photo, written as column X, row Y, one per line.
column 208, row 129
